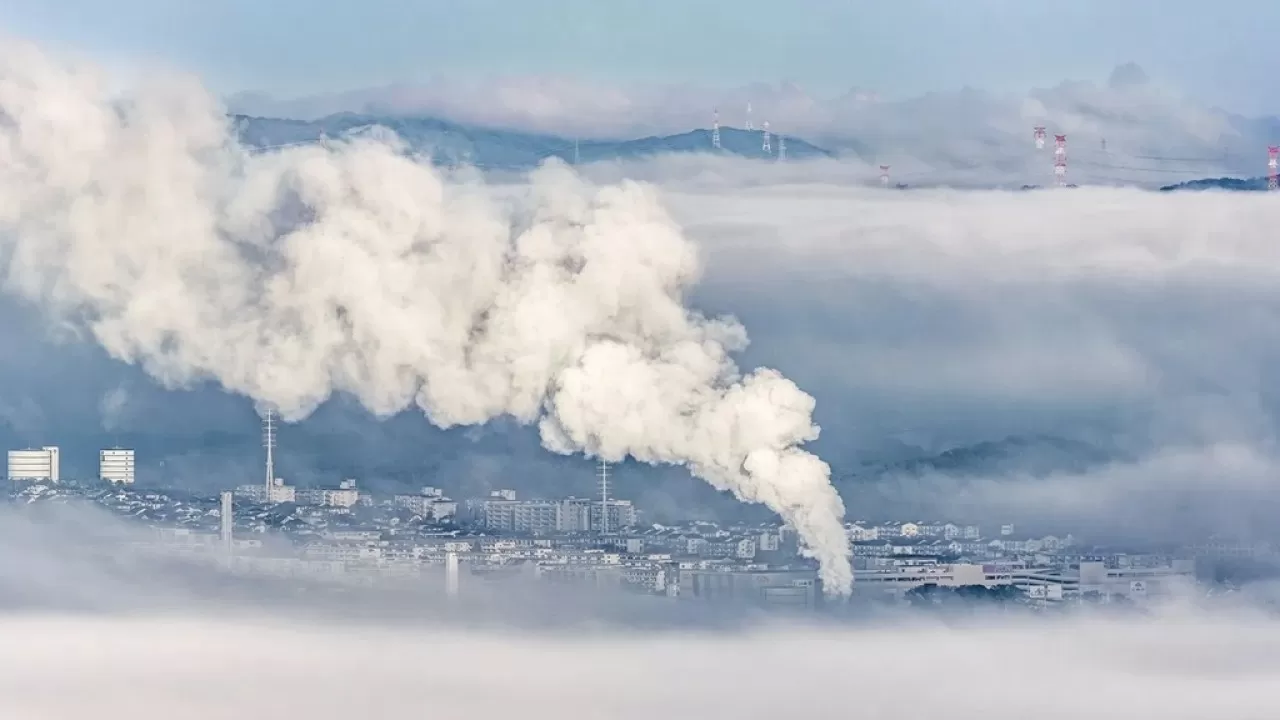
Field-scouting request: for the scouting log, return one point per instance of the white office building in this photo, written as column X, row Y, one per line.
column 33, row 464
column 116, row 466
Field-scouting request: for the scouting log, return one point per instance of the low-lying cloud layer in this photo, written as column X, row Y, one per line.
column 1168, row 668
column 1139, row 323
column 1050, row 302
column 113, row 632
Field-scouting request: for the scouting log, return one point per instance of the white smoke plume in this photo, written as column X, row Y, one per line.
column 292, row 276
column 112, row 407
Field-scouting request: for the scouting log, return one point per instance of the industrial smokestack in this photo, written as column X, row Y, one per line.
column 292, row 275
column 227, row 519
column 451, row 574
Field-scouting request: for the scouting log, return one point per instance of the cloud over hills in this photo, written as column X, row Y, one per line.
column 1152, row 135
column 1137, row 323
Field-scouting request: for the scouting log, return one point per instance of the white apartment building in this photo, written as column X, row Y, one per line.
column 34, row 464
column 531, row 516
column 345, row 496
column 281, row 493
column 116, row 466
column 259, row 493
column 549, row 516
column 434, row 505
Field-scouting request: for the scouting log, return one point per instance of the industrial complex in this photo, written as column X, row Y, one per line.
column 344, row 533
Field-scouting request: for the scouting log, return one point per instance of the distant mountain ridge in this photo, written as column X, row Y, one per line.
column 1222, row 183
column 450, row 143
column 1031, row 455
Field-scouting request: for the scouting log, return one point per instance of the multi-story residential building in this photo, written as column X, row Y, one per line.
column 569, row 515
column 522, row 516
column 430, row 503
column 116, row 466
column 575, row 515
column 35, row 464
column 620, row 514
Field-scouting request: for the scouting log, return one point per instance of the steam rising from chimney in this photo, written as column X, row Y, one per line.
column 290, row 276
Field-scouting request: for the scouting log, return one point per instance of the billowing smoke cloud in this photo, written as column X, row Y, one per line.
column 352, row 269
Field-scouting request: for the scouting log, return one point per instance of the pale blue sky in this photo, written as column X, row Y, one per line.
column 899, row 47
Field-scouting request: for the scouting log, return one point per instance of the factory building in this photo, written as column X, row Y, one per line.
column 34, row 464
column 116, row 466
column 1082, row 580
column 773, row 588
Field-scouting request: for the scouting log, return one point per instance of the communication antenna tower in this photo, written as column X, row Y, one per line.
column 1039, row 135
column 749, row 125
column 715, row 129
column 1060, row 159
column 269, row 442
column 884, row 175
column 764, row 145
column 604, row 497
column 1273, row 181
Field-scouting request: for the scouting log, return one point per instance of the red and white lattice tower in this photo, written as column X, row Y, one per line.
column 884, row 175
column 1060, row 159
column 1273, row 181
column 764, row 144
column 715, row 130
column 1039, row 137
